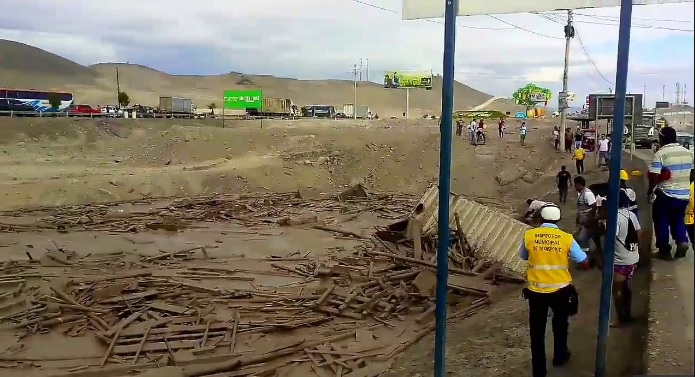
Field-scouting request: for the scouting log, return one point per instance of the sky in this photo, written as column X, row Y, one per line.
column 319, row 39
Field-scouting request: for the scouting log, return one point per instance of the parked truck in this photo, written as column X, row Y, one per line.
column 176, row 107
column 318, row 111
column 275, row 107
column 363, row 112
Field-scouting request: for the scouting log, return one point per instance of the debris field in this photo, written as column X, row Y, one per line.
column 206, row 311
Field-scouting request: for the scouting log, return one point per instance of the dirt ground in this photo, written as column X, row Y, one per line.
column 49, row 162
column 110, row 160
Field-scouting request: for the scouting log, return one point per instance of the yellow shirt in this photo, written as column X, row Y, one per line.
column 548, row 259
column 690, row 211
column 579, row 154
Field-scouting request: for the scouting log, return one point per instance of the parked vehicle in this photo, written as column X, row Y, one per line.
column 275, row 107
column 83, row 111
column 38, row 100
column 109, row 111
column 176, row 107
column 15, row 106
column 318, row 111
column 686, row 140
column 363, row 112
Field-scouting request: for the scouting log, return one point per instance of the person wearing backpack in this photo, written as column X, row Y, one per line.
column 625, row 261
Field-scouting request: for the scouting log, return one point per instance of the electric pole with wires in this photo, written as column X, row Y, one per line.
column 569, row 34
column 354, row 103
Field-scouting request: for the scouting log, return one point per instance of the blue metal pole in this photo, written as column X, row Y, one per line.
column 445, row 130
column 613, row 184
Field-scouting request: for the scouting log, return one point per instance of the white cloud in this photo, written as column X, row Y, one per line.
column 318, row 38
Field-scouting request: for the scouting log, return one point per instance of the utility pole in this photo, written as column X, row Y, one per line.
column 663, row 93
column 569, row 34
column 367, row 70
column 354, row 103
column 361, row 69
column 644, row 96
column 678, row 93
column 118, row 89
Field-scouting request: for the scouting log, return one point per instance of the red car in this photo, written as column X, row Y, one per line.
column 83, row 111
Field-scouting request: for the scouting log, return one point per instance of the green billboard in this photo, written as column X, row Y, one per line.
column 408, row 79
column 243, row 99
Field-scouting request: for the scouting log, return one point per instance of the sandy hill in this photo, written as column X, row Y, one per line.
column 24, row 66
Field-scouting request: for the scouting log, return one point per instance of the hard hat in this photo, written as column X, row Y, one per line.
column 636, row 173
column 624, row 176
column 550, row 212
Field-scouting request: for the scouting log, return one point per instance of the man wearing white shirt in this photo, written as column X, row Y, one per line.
column 603, row 149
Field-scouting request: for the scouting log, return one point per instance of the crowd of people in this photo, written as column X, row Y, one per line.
column 548, row 249
column 477, row 127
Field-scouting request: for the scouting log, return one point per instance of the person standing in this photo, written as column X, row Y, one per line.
column 522, row 133
column 690, row 211
column 549, row 286
column 669, row 193
column 625, row 261
column 568, row 140
column 501, row 128
column 603, row 148
column 578, row 158
column 556, row 137
column 631, row 194
column 586, row 214
column 563, row 183
column 471, row 130
column 459, row 127
column 578, row 136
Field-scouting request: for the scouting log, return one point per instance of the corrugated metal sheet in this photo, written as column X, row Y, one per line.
column 493, row 234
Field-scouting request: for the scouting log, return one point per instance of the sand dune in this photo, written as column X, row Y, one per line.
column 24, row 66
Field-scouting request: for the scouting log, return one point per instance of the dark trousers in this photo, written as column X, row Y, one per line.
column 539, row 303
column 668, row 214
column 563, row 194
column 459, row 130
column 557, row 143
column 580, row 166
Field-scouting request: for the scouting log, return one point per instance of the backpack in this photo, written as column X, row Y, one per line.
column 631, row 240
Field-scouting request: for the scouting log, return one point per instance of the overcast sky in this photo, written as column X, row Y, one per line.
column 316, row 39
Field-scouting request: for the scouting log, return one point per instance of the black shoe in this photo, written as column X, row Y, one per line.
column 664, row 255
column 560, row 360
column 681, row 250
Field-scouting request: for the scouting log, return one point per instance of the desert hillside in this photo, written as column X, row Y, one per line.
column 24, row 66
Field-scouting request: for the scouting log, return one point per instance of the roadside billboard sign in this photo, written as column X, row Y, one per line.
column 408, row 79
column 243, row 99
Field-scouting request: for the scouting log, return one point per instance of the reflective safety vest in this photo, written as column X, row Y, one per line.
column 690, row 211
column 548, row 259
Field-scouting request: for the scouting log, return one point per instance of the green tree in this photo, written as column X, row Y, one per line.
column 54, row 100
column 531, row 94
column 212, row 106
column 123, row 99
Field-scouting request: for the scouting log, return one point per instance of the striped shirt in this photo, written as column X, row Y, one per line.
column 678, row 161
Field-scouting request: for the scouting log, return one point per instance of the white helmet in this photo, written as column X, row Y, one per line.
column 550, row 212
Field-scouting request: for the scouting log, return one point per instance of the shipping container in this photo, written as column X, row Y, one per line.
column 175, row 105
column 274, row 107
column 363, row 112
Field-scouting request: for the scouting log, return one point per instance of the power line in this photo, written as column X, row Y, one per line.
column 428, row 20
column 613, row 22
column 615, row 18
column 635, row 26
column 591, row 61
column 524, row 29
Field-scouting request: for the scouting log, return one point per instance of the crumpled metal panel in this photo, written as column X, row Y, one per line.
column 494, row 235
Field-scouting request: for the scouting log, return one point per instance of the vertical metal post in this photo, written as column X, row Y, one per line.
column 613, row 185
column 569, row 33
column 354, row 103
column 366, row 65
column 407, row 103
column 451, row 8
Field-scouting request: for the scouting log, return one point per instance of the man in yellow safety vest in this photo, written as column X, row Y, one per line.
column 549, row 285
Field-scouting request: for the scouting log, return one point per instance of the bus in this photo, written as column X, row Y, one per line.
column 38, row 99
